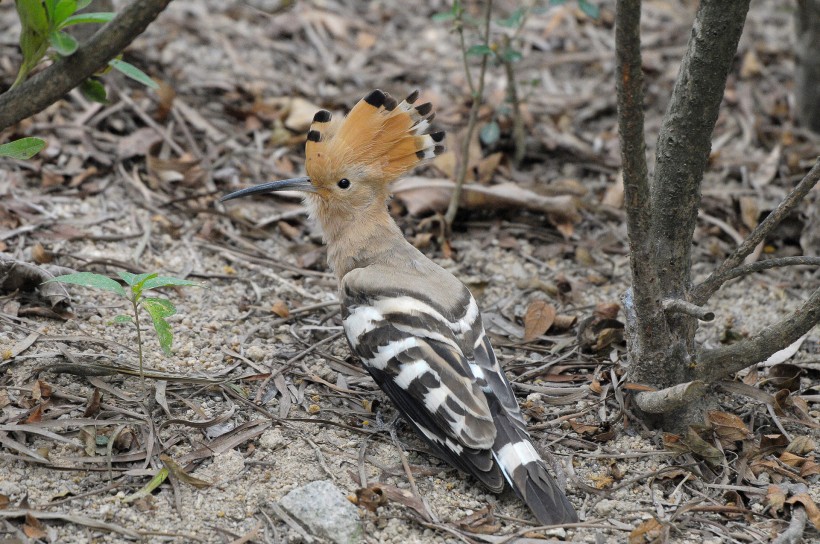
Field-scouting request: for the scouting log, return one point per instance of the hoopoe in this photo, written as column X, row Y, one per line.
column 416, row 328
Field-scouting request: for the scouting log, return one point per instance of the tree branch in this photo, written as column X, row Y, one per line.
column 684, row 140
column 703, row 291
column 648, row 333
column 671, row 398
column 48, row 86
column 715, row 364
column 757, row 266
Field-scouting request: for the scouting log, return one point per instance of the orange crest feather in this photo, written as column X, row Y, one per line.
column 379, row 140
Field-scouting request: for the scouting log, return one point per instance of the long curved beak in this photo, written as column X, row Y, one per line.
column 294, row 184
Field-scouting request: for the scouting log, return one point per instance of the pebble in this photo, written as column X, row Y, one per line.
column 325, row 511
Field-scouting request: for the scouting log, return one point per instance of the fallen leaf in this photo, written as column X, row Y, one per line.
column 791, row 459
column 811, row 508
column 94, row 401
column 370, row 498
column 801, row 445
column 750, row 66
column 538, row 319
column 767, row 170
column 775, row 497
column 177, row 471
column 650, row 530
column 280, row 308
column 785, row 376
column 728, row 427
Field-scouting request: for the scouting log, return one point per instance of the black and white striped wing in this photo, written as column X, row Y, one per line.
column 410, row 349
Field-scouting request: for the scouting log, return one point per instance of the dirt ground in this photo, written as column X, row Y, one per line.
column 261, row 395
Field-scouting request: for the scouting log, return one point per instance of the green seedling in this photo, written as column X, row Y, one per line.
column 42, row 29
column 159, row 309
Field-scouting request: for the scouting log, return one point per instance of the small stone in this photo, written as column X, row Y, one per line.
column 325, row 511
column 255, row 353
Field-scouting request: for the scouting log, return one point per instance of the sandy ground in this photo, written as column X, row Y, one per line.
column 319, row 417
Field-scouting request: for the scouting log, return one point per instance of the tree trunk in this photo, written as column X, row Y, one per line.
column 807, row 69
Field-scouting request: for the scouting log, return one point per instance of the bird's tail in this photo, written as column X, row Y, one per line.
column 527, row 474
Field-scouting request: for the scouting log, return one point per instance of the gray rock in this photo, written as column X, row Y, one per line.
column 325, row 511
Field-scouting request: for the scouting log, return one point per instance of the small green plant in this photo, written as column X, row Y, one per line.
column 43, row 23
column 22, row 149
column 158, row 308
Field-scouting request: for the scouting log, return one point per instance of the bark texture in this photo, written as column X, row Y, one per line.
column 645, row 320
column 807, row 68
column 43, row 89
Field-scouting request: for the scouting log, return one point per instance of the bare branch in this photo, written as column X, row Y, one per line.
column 794, row 533
column 648, row 322
column 707, row 288
column 751, row 268
column 461, row 175
column 684, row 139
column 48, row 86
column 715, row 364
column 684, row 307
column 671, row 398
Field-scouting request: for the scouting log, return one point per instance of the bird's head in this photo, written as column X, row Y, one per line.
column 350, row 161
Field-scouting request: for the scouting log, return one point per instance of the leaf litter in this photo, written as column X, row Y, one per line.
column 259, row 389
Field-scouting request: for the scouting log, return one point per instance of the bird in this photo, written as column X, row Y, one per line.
column 416, row 328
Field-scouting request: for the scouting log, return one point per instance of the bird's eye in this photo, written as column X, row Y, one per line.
column 344, row 183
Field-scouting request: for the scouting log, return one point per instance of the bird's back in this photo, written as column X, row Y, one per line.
column 419, row 333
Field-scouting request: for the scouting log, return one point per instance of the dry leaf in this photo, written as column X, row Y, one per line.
column 40, row 390
column 607, row 310
column 487, row 167
column 94, row 401
column 370, row 498
column 810, row 468
column 280, row 308
column 602, row 481
column 39, row 254
column 801, row 445
column 749, row 211
column 175, row 470
column 728, row 427
column 34, row 528
column 538, row 319
column 750, row 66
column 614, row 195
column 649, row 531
column 767, row 170
column 775, row 497
column 786, row 376
column 791, row 459
column 811, row 508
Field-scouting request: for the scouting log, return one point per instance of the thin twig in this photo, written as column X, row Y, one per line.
column 751, row 268
column 464, row 161
column 702, row 292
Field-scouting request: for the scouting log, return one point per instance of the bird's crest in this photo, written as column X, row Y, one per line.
column 379, row 140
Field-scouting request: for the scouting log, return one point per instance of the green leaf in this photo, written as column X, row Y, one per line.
column 490, row 133
column 33, row 15
column 90, row 279
column 22, row 149
column 511, row 55
column 167, row 281
column 123, row 319
column 94, row 90
column 514, row 20
column 133, row 72
column 155, row 482
column 82, row 18
column 82, row 4
column 33, row 35
column 479, row 51
column 62, row 11
column 134, row 279
column 590, row 9
column 159, row 309
column 65, row 44
column 443, row 17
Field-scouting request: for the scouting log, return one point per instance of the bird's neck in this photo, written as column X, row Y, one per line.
column 358, row 238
